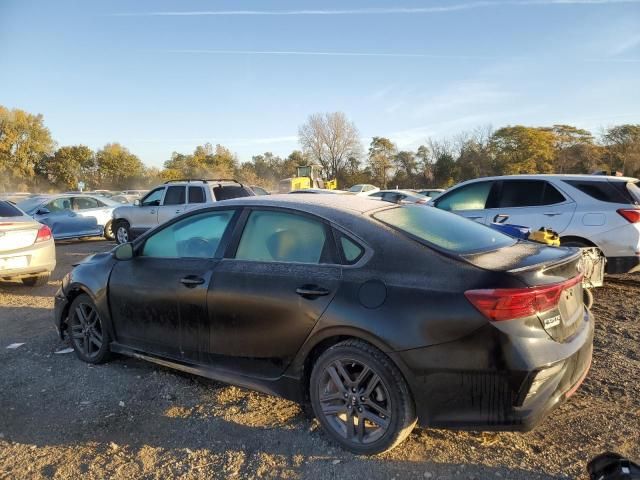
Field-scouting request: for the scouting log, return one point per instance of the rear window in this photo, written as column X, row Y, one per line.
column 8, row 210
column 227, row 192
column 443, row 229
column 611, row 192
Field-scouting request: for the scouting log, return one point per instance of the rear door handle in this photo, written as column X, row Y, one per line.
column 501, row 218
column 552, row 214
column 474, row 217
column 312, row 291
column 191, row 281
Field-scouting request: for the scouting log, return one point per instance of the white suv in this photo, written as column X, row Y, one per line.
column 586, row 210
column 166, row 201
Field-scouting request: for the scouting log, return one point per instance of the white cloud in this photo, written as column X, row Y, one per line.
column 626, row 44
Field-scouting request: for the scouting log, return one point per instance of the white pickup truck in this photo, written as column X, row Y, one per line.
column 169, row 200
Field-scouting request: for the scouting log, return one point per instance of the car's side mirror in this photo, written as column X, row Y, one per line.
column 43, row 211
column 123, row 252
column 136, row 202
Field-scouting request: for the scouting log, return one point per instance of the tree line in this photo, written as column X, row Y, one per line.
column 31, row 160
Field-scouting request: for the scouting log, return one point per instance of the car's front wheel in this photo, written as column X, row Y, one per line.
column 89, row 338
column 361, row 398
column 121, row 228
column 108, row 231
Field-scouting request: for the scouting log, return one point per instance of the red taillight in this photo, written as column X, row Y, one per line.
column 509, row 303
column 631, row 215
column 44, row 234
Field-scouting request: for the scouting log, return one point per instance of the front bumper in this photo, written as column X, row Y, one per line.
column 484, row 381
column 61, row 310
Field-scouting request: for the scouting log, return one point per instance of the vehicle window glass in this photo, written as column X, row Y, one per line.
column 377, row 194
column 153, row 198
column 8, row 210
column 601, row 190
column 551, row 195
column 351, row 250
column 443, row 229
column 227, row 192
column 174, row 196
column 281, row 237
column 197, row 236
column 84, row 203
column 634, row 191
column 196, row 195
column 59, row 205
column 520, row 193
column 469, row 197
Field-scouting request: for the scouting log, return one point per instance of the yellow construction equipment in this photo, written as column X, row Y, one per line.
column 307, row 176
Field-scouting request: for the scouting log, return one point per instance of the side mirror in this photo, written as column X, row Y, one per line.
column 123, row 252
column 136, row 202
column 43, row 211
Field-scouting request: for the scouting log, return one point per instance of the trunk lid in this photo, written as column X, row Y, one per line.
column 555, row 272
column 17, row 233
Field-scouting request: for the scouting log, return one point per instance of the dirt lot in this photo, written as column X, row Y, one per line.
column 60, row 418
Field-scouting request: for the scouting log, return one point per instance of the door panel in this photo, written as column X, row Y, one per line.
column 174, row 203
column 259, row 320
column 145, row 216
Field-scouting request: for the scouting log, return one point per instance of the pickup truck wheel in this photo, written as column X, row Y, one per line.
column 108, row 231
column 122, row 231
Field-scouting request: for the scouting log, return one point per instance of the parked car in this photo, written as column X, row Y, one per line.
column 364, row 189
column 259, row 190
column 27, row 250
column 172, row 198
column 399, row 196
column 430, row 192
column 332, row 300
column 72, row 215
column 586, row 210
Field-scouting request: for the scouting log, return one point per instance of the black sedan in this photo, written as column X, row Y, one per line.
column 378, row 315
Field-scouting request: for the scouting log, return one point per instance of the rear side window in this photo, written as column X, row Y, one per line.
column 174, row 196
column 227, row 192
column 197, row 236
column 469, row 197
column 85, row 203
column 528, row 193
column 282, row 237
column 196, row 195
column 351, row 250
column 610, row 192
column 444, row 230
column 634, row 191
column 8, row 210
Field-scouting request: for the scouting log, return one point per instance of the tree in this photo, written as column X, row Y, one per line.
column 24, row 140
column 622, row 144
column 330, row 139
column 522, row 149
column 444, row 165
column 68, row 166
column 381, row 154
column 118, row 168
column 205, row 162
column 406, row 169
column 571, row 145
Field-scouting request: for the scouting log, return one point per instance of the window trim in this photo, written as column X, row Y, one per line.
column 330, row 239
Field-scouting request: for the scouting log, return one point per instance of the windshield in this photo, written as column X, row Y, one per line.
column 444, row 230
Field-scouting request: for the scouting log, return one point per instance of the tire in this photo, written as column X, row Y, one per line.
column 121, row 231
column 375, row 392
column 36, row 280
column 108, row 231
column 88, row 337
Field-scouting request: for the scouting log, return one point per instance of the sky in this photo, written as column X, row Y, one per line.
column 160, row 76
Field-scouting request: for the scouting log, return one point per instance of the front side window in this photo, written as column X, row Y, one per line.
column 153, row 198
column 468, row 197
column 528, row 193
column 175, row 196
column 84, row 203
column 197, row 236
column 59, row 205
column 443, row 229
column 282, row 237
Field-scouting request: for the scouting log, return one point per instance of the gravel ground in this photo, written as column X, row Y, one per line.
column 61, row 418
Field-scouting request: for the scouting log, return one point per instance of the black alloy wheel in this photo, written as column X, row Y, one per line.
column 88, row 337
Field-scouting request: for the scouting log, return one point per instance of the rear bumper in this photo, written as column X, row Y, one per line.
column 41, row 259
column 484, row 381
column 629, row 264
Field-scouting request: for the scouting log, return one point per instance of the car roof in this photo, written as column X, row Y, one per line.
column 318, row 203
column 560, row 176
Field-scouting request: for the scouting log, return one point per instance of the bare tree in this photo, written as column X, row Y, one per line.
column 330, row 139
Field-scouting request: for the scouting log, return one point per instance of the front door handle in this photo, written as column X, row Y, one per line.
column 474, row 217
column 500, row 218
column 311, row 291
column 552, row 214
column 152, row 212
column 191, row 281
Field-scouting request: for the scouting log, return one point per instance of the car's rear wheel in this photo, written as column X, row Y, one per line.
column 121, row 228
column 89, row 338
column 36, row 280
column 108, row 231
column 361, row 398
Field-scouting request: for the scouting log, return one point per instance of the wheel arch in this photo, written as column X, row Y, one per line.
column 576, row 238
